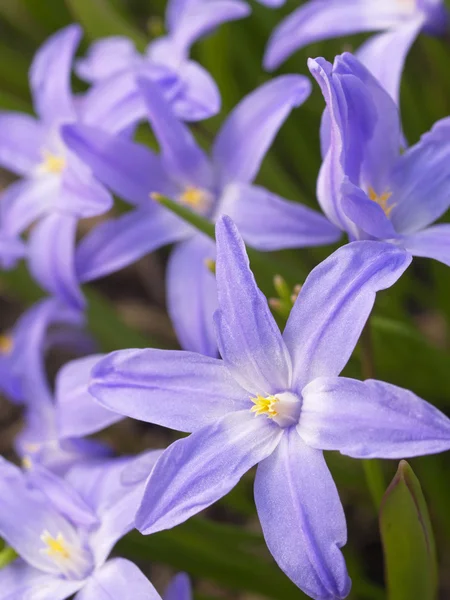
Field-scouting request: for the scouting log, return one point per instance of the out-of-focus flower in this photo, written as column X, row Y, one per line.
column 276, row 400
column 112, row 65
column 179, row 588
column 385, row 54
column 64, row 530
column 56, row 188
column 366, row 185
column 212, row 186
column 23, row 379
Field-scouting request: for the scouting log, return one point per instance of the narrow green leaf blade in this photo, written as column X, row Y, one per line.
column 408, row 541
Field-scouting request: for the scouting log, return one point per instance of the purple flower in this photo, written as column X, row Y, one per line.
column 22, row 350
column 384, row 54
column 23, row 380
column 212, row 186
column 113, row 64
column 366, row 186
column 276, row 400
column 64, row 530
column 56, row 188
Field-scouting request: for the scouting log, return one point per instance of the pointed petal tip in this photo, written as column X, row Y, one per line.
column 319, row 65
column 226, row 231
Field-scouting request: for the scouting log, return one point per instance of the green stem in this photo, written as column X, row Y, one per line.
column 373, row 469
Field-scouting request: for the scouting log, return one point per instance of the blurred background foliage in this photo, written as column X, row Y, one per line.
column 410, row 326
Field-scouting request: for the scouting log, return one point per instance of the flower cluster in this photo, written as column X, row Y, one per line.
column 247, row 393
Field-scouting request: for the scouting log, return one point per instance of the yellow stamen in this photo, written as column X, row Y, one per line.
column 156, row 196
column 264, row 406
column 26, row 462
column 381, row 200
column 194, row 197
column 53, row 163
column 56, row 547
column 6, row 344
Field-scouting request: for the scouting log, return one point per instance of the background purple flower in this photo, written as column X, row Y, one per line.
column 56, row 188
column 23, row 379
column 212, row 186
column 64, row 530
column 112, row 65
column 384, row 54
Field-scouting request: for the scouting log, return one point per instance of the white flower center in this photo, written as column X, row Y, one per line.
column 282, row 408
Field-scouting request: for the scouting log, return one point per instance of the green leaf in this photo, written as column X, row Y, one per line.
column 408, row 541
column 17, row 14
column 50, row 15
column 13, row 72
column 404, row 357
column 100, row 19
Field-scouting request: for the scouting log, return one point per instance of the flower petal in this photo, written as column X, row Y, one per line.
column 182, row 156
column 248, row 337
column 179, row 588
column 115, row 502
column 25, row 515
column 77, row 412
column 62, row 496
column 197, row 19
column 433, row 242
column 118, row 579
column 19, row 580
column 319, row 20
column 367, row 215
column 22, row 370
column 302, row 518
column 364, row 132
column 370, row 419
column 420, row 181
column 24, row 201
column 131, row 170
column 82, row 195
column 175, row 389
column 113, row 104
column 106, row 57
column 119, row 242
column 51, row 257
column 21, row 142
column 251, row 127
column 268, row 222
column 334, row 304
column 272, row 3
column 12, row 249
column 385, row 54
column 196, row 471
column 198, row 97
column 50, row 75
column 192, row 295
